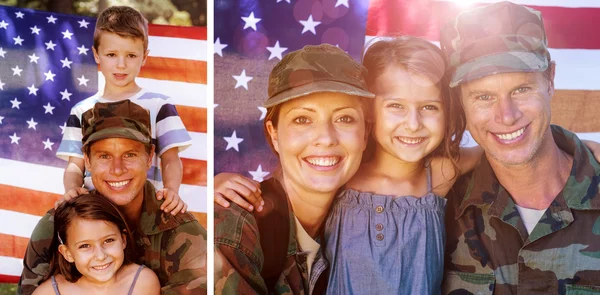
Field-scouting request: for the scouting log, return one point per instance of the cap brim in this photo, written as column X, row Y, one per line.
column 506, row 62
column 118, row 132
column 314, row 87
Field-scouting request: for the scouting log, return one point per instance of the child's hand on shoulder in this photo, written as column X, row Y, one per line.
column 70, row 194
column 172, row 202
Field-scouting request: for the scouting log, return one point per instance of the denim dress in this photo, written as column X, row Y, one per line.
column 380, row 244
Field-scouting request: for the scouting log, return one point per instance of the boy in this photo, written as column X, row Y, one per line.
column 120, row 49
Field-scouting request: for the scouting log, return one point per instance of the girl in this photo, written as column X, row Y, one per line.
column 93, row 252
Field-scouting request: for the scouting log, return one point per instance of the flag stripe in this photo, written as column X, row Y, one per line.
column 194, row 172
column 576, row 110
column 565, row 27
column 13, row 246
column 186, row 48
column 11, row 267
column 163, row 68
column 557, row 3
column 193, row 118
column 197, row 33
column 198, row 149
column 42, row 200
column 26, row 223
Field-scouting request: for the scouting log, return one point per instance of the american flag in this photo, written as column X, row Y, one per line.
column 251, row 36
column 46, row 67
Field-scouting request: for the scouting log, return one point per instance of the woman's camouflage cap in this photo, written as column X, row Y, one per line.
column 316, row 68
column 122, row 119
column 498, row 38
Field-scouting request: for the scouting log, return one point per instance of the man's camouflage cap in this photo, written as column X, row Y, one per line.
column 316, row 68
column 122, row 119
column 498, row 38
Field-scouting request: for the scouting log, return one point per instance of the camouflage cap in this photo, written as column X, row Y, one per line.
column 122, row 119
column 316, row 68
column 498, row 38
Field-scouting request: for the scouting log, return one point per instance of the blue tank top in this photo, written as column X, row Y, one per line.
column 380, row 244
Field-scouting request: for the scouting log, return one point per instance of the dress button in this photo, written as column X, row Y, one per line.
column 379, row 227
column 379, row 237
column 379, row 209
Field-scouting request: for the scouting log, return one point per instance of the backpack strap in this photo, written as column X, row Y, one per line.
column 274, row 228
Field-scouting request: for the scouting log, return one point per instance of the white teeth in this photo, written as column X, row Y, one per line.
column 510, row 136
column 323, row 161
column 118, row 184
column 101, row 267
column 410, row 140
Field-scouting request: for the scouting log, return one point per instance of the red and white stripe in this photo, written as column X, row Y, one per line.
column 176, row 66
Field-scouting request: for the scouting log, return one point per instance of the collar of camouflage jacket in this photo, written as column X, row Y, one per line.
column 581, row 192
column 154, row 220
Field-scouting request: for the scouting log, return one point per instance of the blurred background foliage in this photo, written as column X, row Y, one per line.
column 166, row 12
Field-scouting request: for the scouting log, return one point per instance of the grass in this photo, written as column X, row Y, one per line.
column 8, row 289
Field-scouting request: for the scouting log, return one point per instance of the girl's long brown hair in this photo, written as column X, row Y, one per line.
column 418, row 56
column 91, row 206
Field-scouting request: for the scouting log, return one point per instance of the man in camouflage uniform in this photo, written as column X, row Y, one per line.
column 118, row 152
column 527, row 219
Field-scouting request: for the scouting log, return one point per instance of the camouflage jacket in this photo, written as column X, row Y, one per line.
column 239, row 257
column 489, row 251
column 174, row 247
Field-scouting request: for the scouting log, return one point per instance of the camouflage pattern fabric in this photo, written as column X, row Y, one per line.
column 174, row 247
column 239, row 257
column 316, row 68
column 121, row 119
column 498, row 38
column 489, row 251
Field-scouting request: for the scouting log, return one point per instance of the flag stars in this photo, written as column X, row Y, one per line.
column 33, row 90
column 31, row 124
column 1, row 118
column 66, row 63
column 242, row 80
column 83, row 80
column 233, row 142
column 49, row 76
column 259, row 175
column 263, row 113
column 50, row 45
column 2, row 85
column 66, row 95
column 82, row 50
column 62, row 128
column 342, row 2
column 48, row 144
column 18, row 41
column 14, row 139
column 67, row 35
column 276, row 51
column 15, row 104
column 309, row 25
column 219, row 47
column 51, row 19
column 16, row 71
column 19, row 14
column 48, row 109
column 2, row 52
column 33, row 58
column 3, row 25
column 250, row 21
column 35, row 30
column 83, row 23
column 288, row 1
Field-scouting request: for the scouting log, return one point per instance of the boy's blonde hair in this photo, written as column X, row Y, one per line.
column 123, row 21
